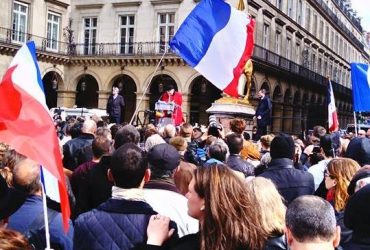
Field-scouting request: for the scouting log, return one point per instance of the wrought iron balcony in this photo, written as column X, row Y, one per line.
column 138, row 49
column 263, row 55
column 16, row 38
column 342, row 27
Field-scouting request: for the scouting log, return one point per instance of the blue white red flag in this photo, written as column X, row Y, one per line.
column 217, row 41
column 332, row 110
column 360, row 74
column 25, row 123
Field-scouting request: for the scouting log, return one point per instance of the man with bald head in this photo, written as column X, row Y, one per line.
column 72, row 148
column 29, row 217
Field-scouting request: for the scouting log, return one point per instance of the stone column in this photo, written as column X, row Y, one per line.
column 66, row 98
column 103, row 98
column 186, row 106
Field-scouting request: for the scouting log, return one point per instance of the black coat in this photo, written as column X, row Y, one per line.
column 72, row 148
column 290, row 182
column 114, row 106
column 264, row 110
column 96, row 188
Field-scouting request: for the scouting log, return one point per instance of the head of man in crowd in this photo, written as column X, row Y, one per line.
column 26, row 177
column 311, row 224
column 126, row 134
column 89, row 127
column 361, row 133
column 129, row 167
column 282, row 146
column 163, row 160
column 234, row 142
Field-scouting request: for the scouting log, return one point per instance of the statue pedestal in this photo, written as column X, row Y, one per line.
column 228, row 108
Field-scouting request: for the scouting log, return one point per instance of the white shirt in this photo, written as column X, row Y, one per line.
column 173, row 205
column 317, row 171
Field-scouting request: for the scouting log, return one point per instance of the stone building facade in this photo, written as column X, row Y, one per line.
column 87, row 46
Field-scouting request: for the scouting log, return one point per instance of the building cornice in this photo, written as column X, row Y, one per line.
column 89, row 6
column 165, row 2
column 126, row 4
column 170, row 60
column 58, row 3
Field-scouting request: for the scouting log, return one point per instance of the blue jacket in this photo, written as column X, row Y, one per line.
column 29, row 211
column 115, row 224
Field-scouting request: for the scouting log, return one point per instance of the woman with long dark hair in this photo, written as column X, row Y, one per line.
column 227, row 217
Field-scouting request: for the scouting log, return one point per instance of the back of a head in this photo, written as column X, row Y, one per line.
column 169, row 131
column 229, row 212
column 13, row 240
column 356, row 215
column 266, row 140
column 238, row 125
column 327, row 146
column 311, row 218
column 128, row 166
column 153, row 140
column 359, row 150
column 218, row 150
column 114, row 129
column 235, row 143
column 126, row 134
column 186, row 130
column 101, row 146
column 270, row 204
column 26, row 176
column 89, row 127
column 319, row 131
column 163, row 160
column 282, row 146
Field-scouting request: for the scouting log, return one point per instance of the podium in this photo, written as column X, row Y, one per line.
column 164, row 111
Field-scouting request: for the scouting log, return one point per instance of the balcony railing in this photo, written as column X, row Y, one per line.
column 152, row 49
column 342, row 27
column 93, row 49
column 276, row 60
column 16, row 37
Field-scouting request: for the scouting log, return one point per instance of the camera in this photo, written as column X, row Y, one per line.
column 214, row 123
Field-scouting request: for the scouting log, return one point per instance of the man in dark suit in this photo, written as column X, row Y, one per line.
column 263, row 113
column 114, row 106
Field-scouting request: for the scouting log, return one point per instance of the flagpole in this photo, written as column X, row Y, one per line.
column 354, row 117
column 46, row 221
column 146, row 88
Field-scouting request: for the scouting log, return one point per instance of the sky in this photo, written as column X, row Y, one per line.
column 363, row 10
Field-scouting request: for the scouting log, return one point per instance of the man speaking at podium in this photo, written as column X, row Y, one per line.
column 170, row 95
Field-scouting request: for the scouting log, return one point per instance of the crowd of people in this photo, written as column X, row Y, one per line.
column 185, row 188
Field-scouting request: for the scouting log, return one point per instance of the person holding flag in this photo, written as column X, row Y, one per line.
column 26, row 125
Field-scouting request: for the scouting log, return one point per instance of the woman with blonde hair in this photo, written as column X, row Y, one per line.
column 271, row 212
column 338, row 175
column 228, row 217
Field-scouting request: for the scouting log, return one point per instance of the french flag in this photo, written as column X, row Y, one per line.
column 25, row 123
column 360, row 75
column 217, row 41
column 332, row 110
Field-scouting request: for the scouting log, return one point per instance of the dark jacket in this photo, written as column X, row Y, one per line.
column 31, row 209
column 115, row 224
column 276, row 243
column 358, row 242
column 290, row 182
column 236, row 163
column 96, row 189
column 71, row 150
column 114, row 106
column 264, row 110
